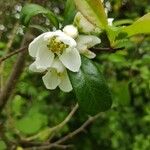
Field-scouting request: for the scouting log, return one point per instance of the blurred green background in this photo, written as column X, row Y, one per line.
column 32, row 108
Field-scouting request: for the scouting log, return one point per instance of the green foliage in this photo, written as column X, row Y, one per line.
column 40, row 28
column 93, row 11
column 140, row 26
column 2, row 45
column 118, row 36
column 33, row 108
column 69, row 12
column 31, row 123
column 2, row 145
column 30, row 10
column 90, row 88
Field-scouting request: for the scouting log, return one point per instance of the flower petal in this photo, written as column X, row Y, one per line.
column 65, row 84
column 35, row 45
column 33, row 68
column 49, row 35
column 62, row 37
column 67, row 40
column 87, row 40
column 44, row 58
column 84, row 26
column 57, row 64
column 51, row 79
column 89, row 54
column 71, row 31
column 71, row 59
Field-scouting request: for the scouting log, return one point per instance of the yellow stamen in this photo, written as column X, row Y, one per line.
column 56, row 46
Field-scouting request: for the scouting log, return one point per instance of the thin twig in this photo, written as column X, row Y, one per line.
column 66, row 119
column 12, row 37
column 58, row 146
column 68, row 136
column 63, row 146
column 12, row 54
column 56, row 128
column 14, row 76
column 24, row 48
column 6, row 51
column 80, row 129
column 107, row 49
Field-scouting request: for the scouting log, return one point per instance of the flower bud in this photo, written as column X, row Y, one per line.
column 84, row 26
column 71, row 31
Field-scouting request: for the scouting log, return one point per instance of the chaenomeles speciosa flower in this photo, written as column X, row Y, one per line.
column 55, row 52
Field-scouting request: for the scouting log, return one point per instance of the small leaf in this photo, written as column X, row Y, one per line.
column 90, row 88
column 122, row 22
column 112, row 33
column 140, row 26
column 17, row 105
column 2, row 145
column 69, row 12
column 31, row 124
column 2, row 45
column 31, row 10
column 93, row 11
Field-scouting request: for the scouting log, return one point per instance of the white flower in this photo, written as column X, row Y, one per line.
column 56, row 51
column 57, row 76
column 48, row 45
column 53, row 53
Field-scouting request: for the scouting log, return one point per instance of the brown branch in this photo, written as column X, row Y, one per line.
column 14, row 76
column 56, row 128
column 67, row 137
column 12, row 37
column 80, row 129
column 59, row 126
column 12, row 54
column 6, row 51
column 60, row 146
column 107, row 49
column 63, row 146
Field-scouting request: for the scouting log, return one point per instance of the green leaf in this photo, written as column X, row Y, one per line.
column 2, row 45
column 31, row 124
column 140, row 26
column 17, row 105
column 94, row 11
column 90, row 88
column 31, row 10
column 69, row 12
column 2, row 145
column 122, row 22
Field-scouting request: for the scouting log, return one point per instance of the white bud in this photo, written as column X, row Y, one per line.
column 71, row 31
column 84, row 26
column 110, row 21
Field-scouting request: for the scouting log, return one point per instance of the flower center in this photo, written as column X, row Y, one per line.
column 56, row 46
